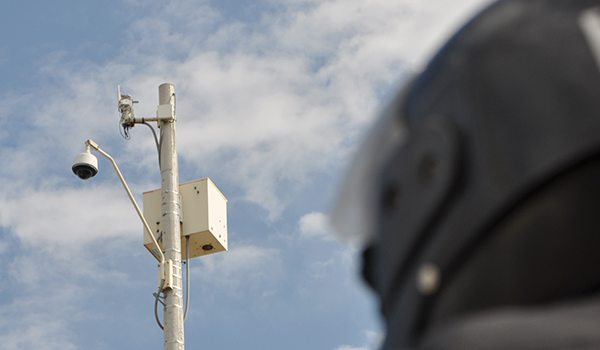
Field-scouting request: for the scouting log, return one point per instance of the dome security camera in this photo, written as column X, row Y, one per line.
column 85, row 165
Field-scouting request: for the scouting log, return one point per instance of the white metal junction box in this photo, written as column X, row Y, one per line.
column 203, row 217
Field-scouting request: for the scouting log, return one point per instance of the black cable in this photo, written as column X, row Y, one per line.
column 153, row 133
column 155, row 141
column 124, row 130
column 162, row 283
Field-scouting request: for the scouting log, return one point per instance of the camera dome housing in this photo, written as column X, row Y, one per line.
column 85, row 165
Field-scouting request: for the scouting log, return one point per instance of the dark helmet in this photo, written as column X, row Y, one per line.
column 479, row 189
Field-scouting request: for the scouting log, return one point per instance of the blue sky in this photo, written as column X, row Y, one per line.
column 272, row 100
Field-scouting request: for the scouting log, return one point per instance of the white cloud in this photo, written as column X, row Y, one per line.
column 349, row 347
column 35, row 320
column 314, row 224
column 374, row 339
column 240, row 270
column 35, row 331
column 269, row 107
column 266, row 106
column 70, row 217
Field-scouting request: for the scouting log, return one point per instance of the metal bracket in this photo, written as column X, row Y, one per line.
column 165, row 272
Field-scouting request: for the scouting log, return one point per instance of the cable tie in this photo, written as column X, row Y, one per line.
column 174, row 341
column 171, row 250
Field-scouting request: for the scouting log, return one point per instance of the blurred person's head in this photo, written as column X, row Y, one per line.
column 479, row 188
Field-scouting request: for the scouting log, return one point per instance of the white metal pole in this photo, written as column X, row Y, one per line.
column 173, row 328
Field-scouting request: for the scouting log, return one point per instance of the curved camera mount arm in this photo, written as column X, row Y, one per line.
column 94, row 146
